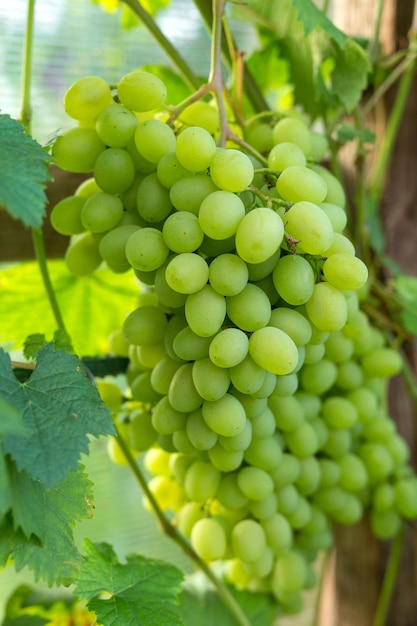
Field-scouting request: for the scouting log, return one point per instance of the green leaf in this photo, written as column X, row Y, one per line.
column 346, row 133
column 39, row 531
column 406, row 287
column 16, row 615
column 23, row 173
column 200, row 605
column 140, row 592
column 313, row 45
column 60, row 408
column 11, row 419
column 33, row 344
column 84, row 302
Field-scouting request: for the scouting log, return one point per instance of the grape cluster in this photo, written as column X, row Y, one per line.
column 257, row 382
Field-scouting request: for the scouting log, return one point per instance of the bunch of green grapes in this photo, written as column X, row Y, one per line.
column 259, row 382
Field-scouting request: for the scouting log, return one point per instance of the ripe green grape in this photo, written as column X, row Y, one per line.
column 210, row 380
column 189, row 346
column 162, row 374
column 231, row 170
column 205, row 311
column 188, row 193
column 116, row 125
column 229, row 347
column 101, row 212
column 274, row 350
column 208, row 539
column 220, row 214
column 182, row 392
column 145, row 326
column 298, row 183
column 82, row 256
column 339, row 412
column 112, row 246
column 201, row 436
column 294, row 280
column 152, row 200
column 146, row 249
column 203, row 114
column 187, row 272
column 66, row 215
column 284, row 155
column 293, row 323
column 141, row 433
column 259, row 235
column 336, row 215
column 225, row 416
column 247, row 376
column 327, row 308
column 182, row 232
column 248, row 540
column 87, row 97
column 165, row 419
column 77, row 150
column 170, row 170
column 114, row 170
column 250, row 309
column 195, row 148
column 228, row 274
column 335, row 192
column 383, row 362
column 141, row 91
column 345, row 271
column 259, row 136
column 309, row 226
column 154, row 139
column 291, row 129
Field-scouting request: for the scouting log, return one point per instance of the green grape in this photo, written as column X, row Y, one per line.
column 294, row 279
column 182, row 392
column 112, row 246
column 118, row 345
column 110, row 393
column 335, row 192
column 349, row 375
column 340, row 245
column 225, row 460
column 149, row 356
column 247, row 376
column 274, row 350
column 239, row 442
column 141, row 433
column 382, row 362
column 353, row 475
column 220, row 214
column 314, row 353
column 176, row 323
column 208, row 539
column 189, row 346
column 385, row 524
column 145, row 326
column 338, row 347
column 195, row 148
column 231, row 170
column 259, row 136
column 170, row 170
column 319, row 377
column 330, row 472
column 146, row 249
column 228, row 493
column 267, row 387
column 345, row 271
column 259, row 235
column 211, row 381
column 162, row 374
column 250, row 309
column 77, row 150
column 287, row 471
column 264, row 453
column 226, row 416
column 154, row 139
column 260, row 271
column 215, row 247
column 383, row 497
column 188, row 193
column 278, row 532
column 263, row 423
column 142, row 165
column 298, row 183
column 264, row 509
column 187, row 516
column 339, row 412
column 327, row 308
column 202, row 114
column 166, row 492
column 82, row 256
column 284, row 155
column 302, row 441
column 182, row 232
column 338, row 443
column 228, row 274
column 101, row 212
column 310, row 403
column 165, row 419
column 289, row 574
column 331, row 499
column 398, row 449
column 114, row 170
column 294, row 130
column 405, row 490
column 377, row 459
column 87, row 188
column 141, row 91
column 288, row 498
column 152, row 201
column 182, row 443
column 293, row 323
column 301, row 515
column 309, row 226
column 248, row 540
column 116, row 125
column 201, row 436
column 286, row 385
column 187, row 272
column 287, row 411
column 167, row 296
column 66, row 215
column 87, row 97
column 229, row 347
column 319, row 146
column 142, row 390
column 254, row 482
column 201, row 481
column 205, row 311
column 336, row 215
column 308, row 481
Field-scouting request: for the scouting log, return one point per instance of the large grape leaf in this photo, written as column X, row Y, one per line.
column 327, row 67
column 38, row 532
column 23, row 173
column 60, row 409
column 84, row 302
column 140, row 592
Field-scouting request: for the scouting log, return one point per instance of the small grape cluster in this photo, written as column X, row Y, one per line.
column 257, row 382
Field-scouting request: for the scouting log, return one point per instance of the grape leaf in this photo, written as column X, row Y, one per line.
column 346, row 133
column 38, row 533
column 327, row 67
column 406, row 287
column 139, row 592
column 23, row 173
column 60, row 408
column 89, row 322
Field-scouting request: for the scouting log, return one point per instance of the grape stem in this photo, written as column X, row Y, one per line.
column 389, row 581
column 227, row 598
